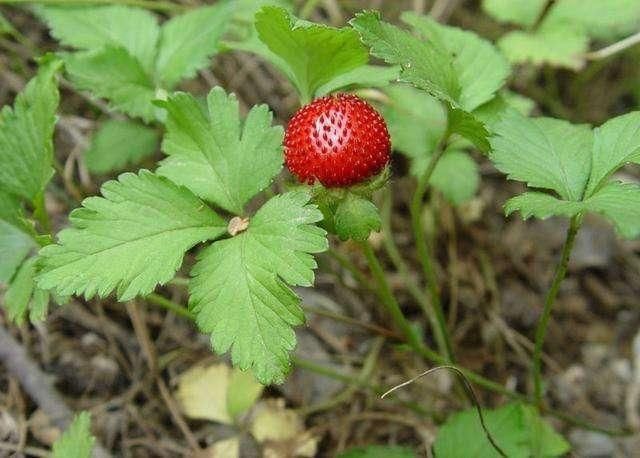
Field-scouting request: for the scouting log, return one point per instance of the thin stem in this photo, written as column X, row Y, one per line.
column 614, row 48
column 423, row 246
column 40, row 213
column 167, row 304
column 541, row 329
column 149, row 4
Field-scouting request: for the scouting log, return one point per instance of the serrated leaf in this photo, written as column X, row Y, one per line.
column 15, row 245
column 491, row 112
column 188, row 42
column 544, row 152
column 541, row 205
column 367, row 76
column 521, row 12
column 77, row 441
column 18, row 295
column 481, row 69
column 559, row 46
column 91, row 28
column 456, row 176
column 423, row 65
column 239, row 289
column 26, row 134
column 314, row 53
column 130, row 240
column 620, row 203
column 468, row 126
column 114, row 74
column 213, row 156
column 118, row 144
column 356, row 217
column 616, row 143
column 378, row 451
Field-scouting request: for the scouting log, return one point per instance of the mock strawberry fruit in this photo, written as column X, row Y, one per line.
column 337, row 140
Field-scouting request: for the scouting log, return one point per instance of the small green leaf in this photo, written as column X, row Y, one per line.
column 188, row 42
column 15, row 245
column 18, row 295
column 620, row 203
column 367, row 76
column 521, row 12
column 456, row 176
column 5, row 26
column 468, row 126
column 26, row 134
column 544, row 152
column 378, row 451
column 130, row 240
column 242, row 393
column 118, row 144
column 423, row 65
column 541, row 205
column 77, row 441
column 481, row 69
column 239, row 290
column 356, row 217
column 543, row 440
column 314, row 53
column 92, row 28
column 114, row 74
column 491, row 112
column 216, row 157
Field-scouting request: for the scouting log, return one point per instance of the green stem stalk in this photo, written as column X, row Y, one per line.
column 40, row 213
column 148, row 4
column 541, row 329
column 167, row 304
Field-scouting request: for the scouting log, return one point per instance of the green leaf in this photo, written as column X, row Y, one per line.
column 188, row 42
column 18, row 295
column 130, row 240
column 356, row 217
column 600, row 19
column 77, row 441
column 541, row 205
column 118, row 144
column 620, row 203
column 423, row 65
column 239, row 290
column 367, row 76
column 211, row 154
column 467, row 125
column 491, row 112
column 481, row 69
column 517, row 428
column 114, row 74
column 26, row 134
column 91, row 28
column 242, row 393
column 15, row 245
column 558, row 46
column 456, row 176
column 378, row 451
column 521, row 12
column 314, row 53
column 5, row 26
column 544, row 152
column 616, row 143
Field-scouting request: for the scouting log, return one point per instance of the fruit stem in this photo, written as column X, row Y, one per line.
column 541, row 329
column 424, row 251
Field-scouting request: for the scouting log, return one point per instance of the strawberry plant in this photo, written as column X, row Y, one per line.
column 245, row 202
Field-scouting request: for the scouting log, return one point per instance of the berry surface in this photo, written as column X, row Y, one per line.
column 339, row 140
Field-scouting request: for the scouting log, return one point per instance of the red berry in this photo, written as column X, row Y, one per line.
column 337, row 140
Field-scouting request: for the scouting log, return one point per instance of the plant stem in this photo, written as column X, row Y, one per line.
column 149, row 4
column 167, row 304
column 40, row 213
column 423, row 247
column 541, row 329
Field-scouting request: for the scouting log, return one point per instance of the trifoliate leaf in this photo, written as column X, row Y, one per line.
column 114, row 74
column 214, row 155
column 559, row 46
column 131, row 239
column 118, row 144
column 314, row 53
column 467, row 125
column 378, row 451
column 456, row 176
column 239, row 289
column 541, row 205
column 544, row 152
column 367, row 76
column 188, row 42
column 423, row 65
column 26, row 134
column 91, row 28
column 356, row 217
column 515, row 427
column 521, row 12
column 620, row 203
column 77, row 441
column 616, row 143
column 481, row 69
column 600, row 19
column 15, row 245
